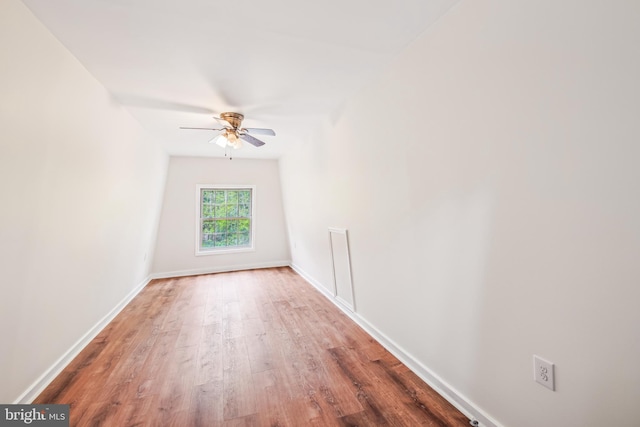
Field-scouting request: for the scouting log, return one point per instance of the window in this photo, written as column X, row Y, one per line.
column 225, row 219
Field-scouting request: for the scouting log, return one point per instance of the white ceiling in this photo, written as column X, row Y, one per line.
column 285, row 64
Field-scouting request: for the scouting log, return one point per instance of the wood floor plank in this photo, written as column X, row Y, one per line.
column 213, row 302
column 160, row 357
column 232, row 320
column 261, row 355
column 248, row 348
column 247, row 421
column 207, row 405
column 239, row 394
column 271, row 399
column 209, row 364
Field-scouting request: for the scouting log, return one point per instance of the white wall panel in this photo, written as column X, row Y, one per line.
column 490, row 186
column 81, row 188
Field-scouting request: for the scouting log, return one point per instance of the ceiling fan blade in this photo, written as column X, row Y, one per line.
column 184, row 127
column 251, row 140
column 260, row 131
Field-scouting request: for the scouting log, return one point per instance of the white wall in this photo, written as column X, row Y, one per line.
column 80, row 186
column 175, row 252
column 490, row 184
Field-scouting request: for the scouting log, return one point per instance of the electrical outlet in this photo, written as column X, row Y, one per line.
column 543, row 372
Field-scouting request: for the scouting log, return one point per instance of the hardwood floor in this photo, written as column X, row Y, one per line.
column 250, row 348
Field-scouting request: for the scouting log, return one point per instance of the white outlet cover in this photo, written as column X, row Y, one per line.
column 543, row 372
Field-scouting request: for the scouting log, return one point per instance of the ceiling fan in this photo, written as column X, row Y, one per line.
column 232, row 134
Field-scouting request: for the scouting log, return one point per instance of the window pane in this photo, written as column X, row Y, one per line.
column 207, row 211
column 243, row 225
column 207, row 227
column 232, row 197
column 244, row 197
column 221, row 226
column 233, row 225
column 243, row 239
column 207, row 240
column 220, row 240
column 207, row 196
column 232, row 239
column 232, row 211
column 219, row 198
column 221, row 211
column 243, row 211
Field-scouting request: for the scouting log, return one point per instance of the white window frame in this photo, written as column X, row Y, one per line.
column 198, row 220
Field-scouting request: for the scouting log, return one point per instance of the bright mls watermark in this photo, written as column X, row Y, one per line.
column 34, row 415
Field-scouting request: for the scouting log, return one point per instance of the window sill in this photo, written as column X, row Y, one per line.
column 200, row 252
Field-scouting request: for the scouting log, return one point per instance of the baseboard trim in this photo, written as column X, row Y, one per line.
column 221, row 269
column 458, row 400
column 54, row 370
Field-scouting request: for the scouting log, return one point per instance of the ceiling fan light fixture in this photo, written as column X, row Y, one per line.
column 220, row 140
column 233, row 139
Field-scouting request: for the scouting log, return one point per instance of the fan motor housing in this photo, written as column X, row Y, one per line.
column 234, row 119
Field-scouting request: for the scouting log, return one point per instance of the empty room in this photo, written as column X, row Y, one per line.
column 339, row 213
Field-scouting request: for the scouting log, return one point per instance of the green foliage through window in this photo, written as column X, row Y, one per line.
column 225, row 218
